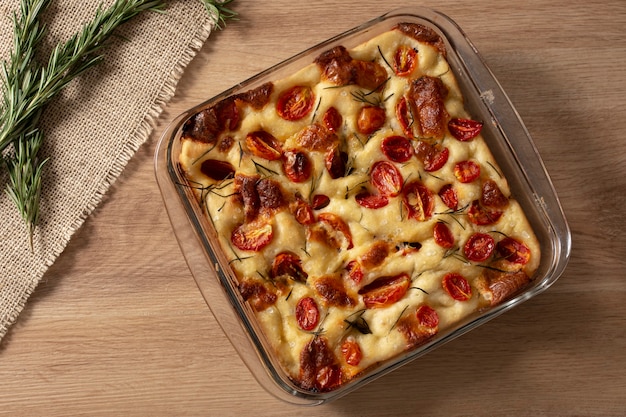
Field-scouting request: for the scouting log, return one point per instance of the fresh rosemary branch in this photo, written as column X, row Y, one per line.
column 28, row 87
column 25, row 170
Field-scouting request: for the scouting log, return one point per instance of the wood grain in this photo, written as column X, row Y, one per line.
column 118, row 327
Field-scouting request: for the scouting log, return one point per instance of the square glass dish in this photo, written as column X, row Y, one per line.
column 509, row 143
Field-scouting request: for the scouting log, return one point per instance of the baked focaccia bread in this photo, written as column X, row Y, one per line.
column 358, row 205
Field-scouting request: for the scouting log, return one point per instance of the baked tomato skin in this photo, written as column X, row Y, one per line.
column 397, row 148
column 448, row 196
column 370, row 119
column 332, row 119
column 464, row 130
column 386, row 178
column 307, row 314
column 351, row 351
column 371, row 201
column 443, row 236
column 404, row 114
column 264, row 145
column 479, row 247
column 427, row 317
column 418, row 201
column 338, row 226
column 217, row 170
column 432, row 156
column 466, row 171
column 384, row 291
column 404, row 60
column 252, row 236
column 288, row 264
column 457, row 286
column 297, row 165
column 482, row 216
column 295, row 103
column 513, row 251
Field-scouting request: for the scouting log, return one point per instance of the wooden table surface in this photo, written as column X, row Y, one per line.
column 118, row 327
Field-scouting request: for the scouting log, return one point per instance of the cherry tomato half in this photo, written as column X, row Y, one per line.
column 457, row 286
column 370, row 119
column 479, row 247
column 386, row 178
column 307, row 314
column 427, row 317
column 433, row 156
column 418, row 200
column 513, row 251
column 466, row 171
column 295, row 103
column 264, row 145
column 443, row 236
column 297, row 165
column 217, row 170
column 404, row 60
column 397, row 148
column 288, row 264
column 464, row 129
column 449, row 197
column 351, row 351
column 252, row 236
column 332, row 119
column 385, row 291
column 371, row 201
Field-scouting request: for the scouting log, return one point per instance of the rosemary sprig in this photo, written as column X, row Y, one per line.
column 27, row 87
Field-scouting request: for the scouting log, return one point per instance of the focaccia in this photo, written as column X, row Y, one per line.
column 359, row 205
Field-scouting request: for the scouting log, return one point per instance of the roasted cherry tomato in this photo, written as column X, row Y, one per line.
column 513, row 251
column 217, row 170
column 482, row 216
column 297, row 165
column 427, row 317
column 264, row 145
column 355, row 272
column 335, row 162
column 404, row 60
column 252, row 236
column 492, row 196
column 302, row 211
column 319, row 201
column 397, row 148
column 386, row 178
column 405, row 117
column 457, row 286
column 432, row 156
column 307, row 314
column 332, row 119
column 385, row 291
column 351, row 351
column 449, row 197
column 464, row 129
column 370, row 119
column 418, row 200
column 466, row 171
column 288, row 264
column 479, row 247
column 443, row 236
column 338, row 226
column 371, row 201
column 295, row 103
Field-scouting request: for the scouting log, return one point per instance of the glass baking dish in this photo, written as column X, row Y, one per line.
column 505, row 134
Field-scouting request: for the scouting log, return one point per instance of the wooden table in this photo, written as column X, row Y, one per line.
column 118, row 327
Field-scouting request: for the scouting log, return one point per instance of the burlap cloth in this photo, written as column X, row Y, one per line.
column 92, row 129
